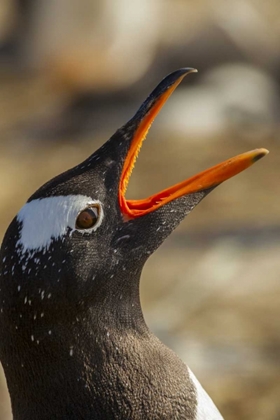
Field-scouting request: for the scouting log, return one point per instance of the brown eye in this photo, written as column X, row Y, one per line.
column 87, row 218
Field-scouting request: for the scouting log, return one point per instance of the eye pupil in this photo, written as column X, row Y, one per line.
column 87, row 218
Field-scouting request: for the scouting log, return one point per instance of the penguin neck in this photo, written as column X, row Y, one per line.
column 116, row 304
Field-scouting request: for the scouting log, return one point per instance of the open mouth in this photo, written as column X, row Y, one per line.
column 204, row 180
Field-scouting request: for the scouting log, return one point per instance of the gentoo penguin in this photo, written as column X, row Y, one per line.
column 73, row 340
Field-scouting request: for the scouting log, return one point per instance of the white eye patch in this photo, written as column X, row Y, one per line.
column 44, row 220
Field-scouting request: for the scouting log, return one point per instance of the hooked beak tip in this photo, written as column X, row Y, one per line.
column 260, row 153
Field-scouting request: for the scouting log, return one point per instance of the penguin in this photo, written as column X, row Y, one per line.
column 74, row 343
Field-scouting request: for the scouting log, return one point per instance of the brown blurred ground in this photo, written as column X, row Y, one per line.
column 212, row 291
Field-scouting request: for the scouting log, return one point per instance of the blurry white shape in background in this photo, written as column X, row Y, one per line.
column 251, row 26
column 233, row 97
column 102, row 43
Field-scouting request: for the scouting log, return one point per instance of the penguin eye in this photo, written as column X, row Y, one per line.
column 88, row 217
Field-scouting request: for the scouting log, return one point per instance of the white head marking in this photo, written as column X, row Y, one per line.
column 47, row 219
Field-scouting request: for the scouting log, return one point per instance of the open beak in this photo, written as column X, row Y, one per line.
column 204, row 180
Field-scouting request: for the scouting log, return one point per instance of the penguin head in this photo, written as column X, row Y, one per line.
column 78, row 239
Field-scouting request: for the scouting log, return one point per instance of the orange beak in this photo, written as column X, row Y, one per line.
column 205, row 180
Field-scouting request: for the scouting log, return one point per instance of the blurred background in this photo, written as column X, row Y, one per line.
column 73, row 71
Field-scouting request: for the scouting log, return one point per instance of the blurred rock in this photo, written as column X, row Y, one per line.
column 238, row 99
column 68, row 40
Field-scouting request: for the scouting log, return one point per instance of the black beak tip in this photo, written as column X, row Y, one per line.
column 171, row 78
column 261, row 154
column 167, row 83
